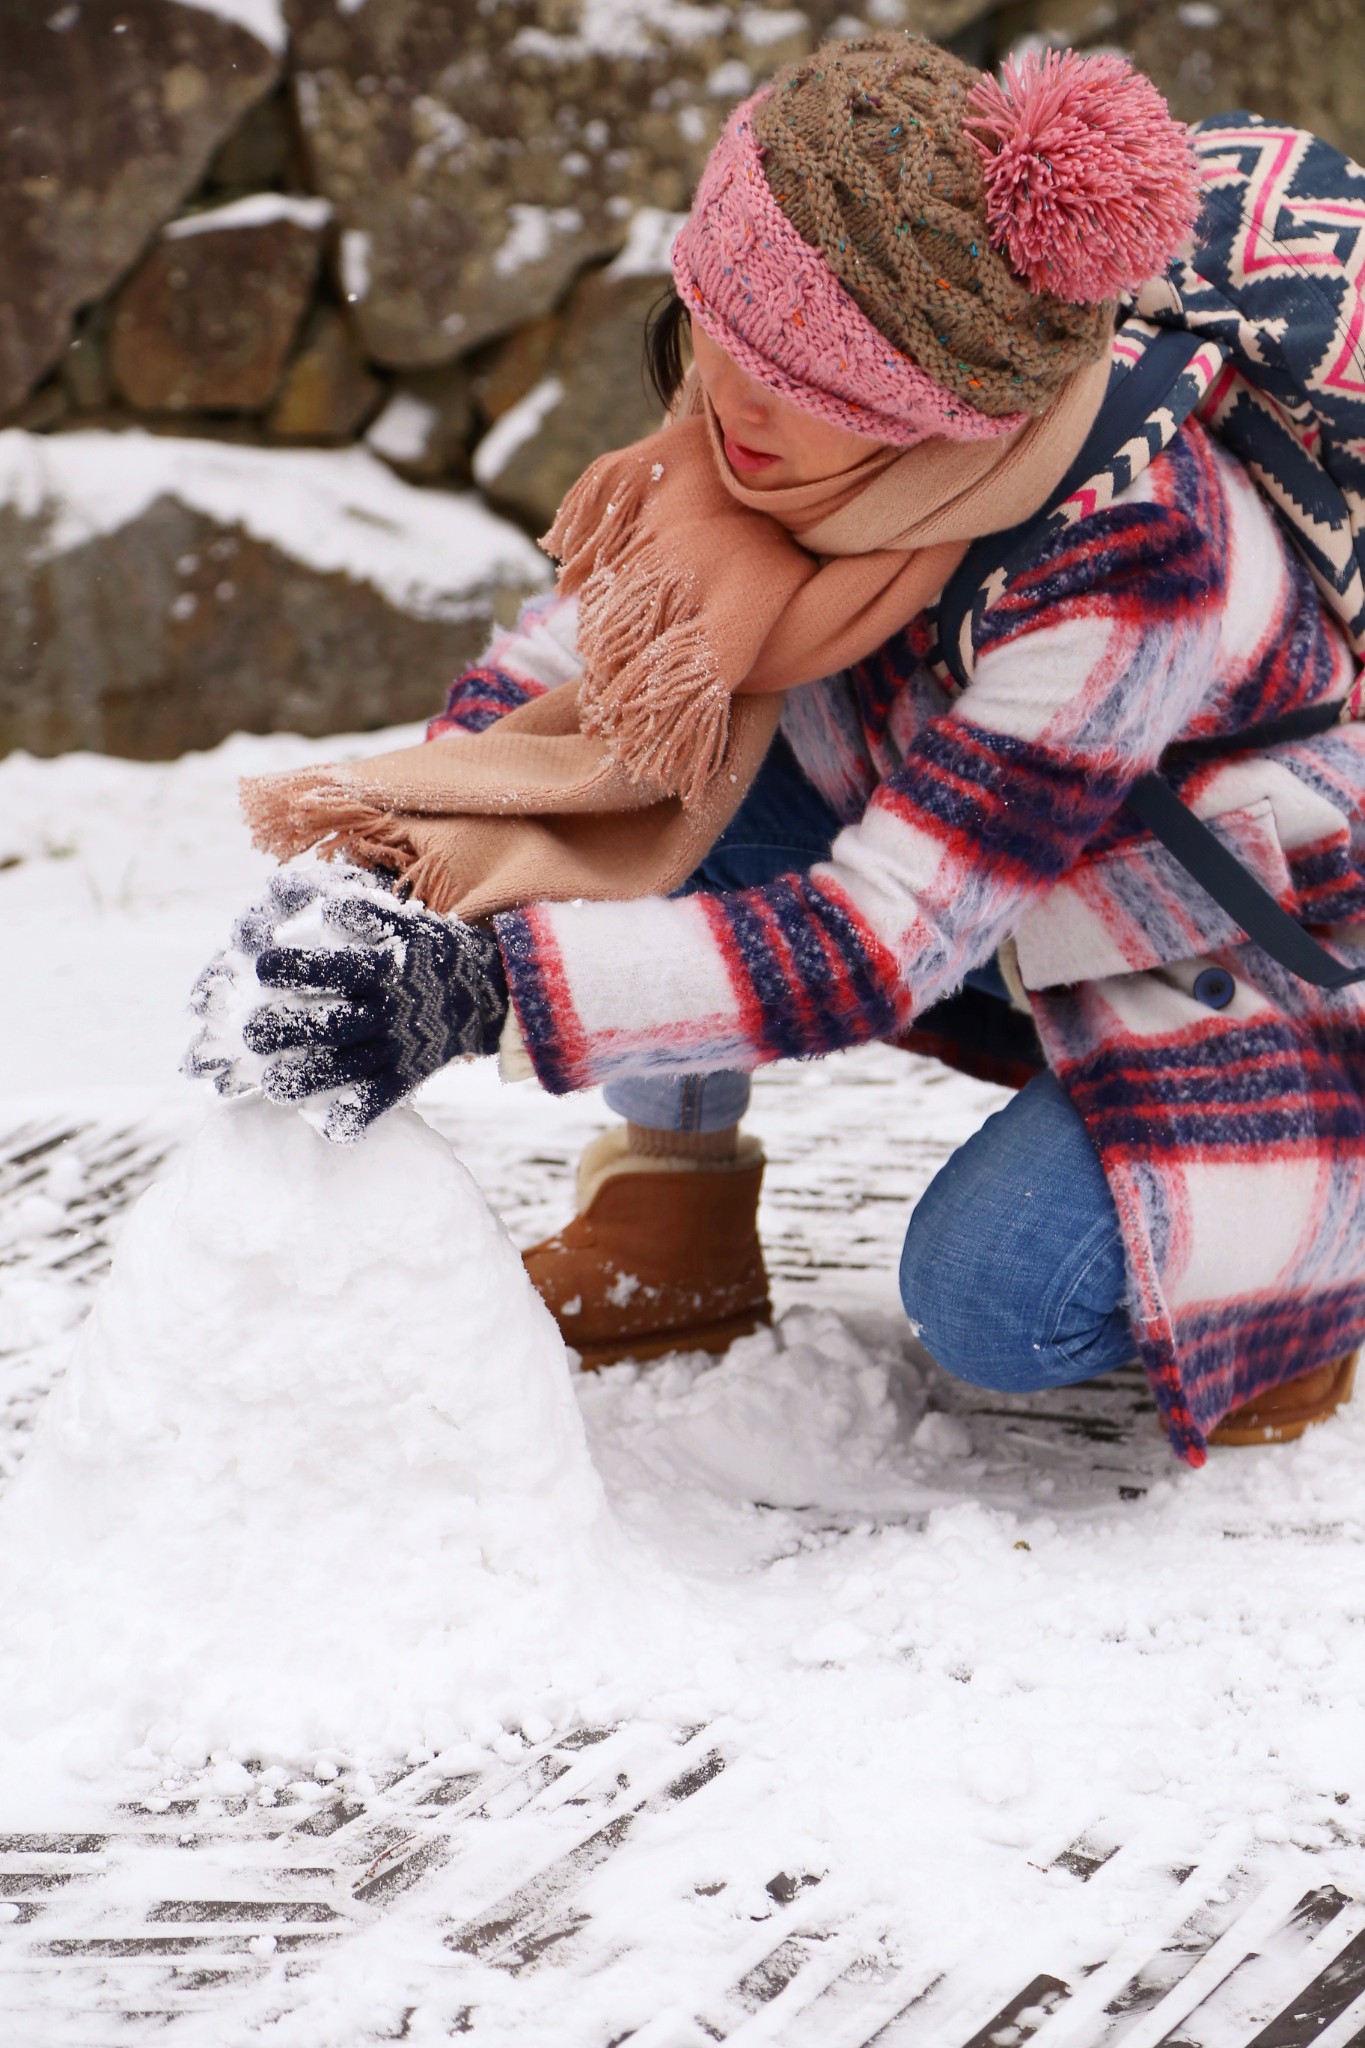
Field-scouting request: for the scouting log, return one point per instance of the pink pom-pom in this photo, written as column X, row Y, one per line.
column 1091, row 184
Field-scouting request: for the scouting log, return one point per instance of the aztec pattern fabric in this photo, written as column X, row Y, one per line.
column 1273, row 303
column 1177, row 609
column 1278, row 284
column 1157, row 394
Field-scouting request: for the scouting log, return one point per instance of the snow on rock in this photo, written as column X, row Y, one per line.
column 257, row 209
column 649, row 243
column 333, row 509
column 519, row 424
column 263, row 19
column 761, row 27
column 531, row 235
column 616, row 28
column 315, row 1479
column 355, row 264
column 404, row 429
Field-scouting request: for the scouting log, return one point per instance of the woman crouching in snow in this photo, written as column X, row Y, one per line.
column 710, row 806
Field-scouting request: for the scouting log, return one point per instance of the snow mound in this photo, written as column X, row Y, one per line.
column 316, row 1478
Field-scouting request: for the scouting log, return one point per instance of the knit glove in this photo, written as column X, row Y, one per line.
column 373, row 995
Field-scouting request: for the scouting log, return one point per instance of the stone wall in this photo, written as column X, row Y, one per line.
column 430, row 228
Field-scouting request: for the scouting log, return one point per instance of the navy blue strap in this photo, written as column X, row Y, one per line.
column 1238, row 893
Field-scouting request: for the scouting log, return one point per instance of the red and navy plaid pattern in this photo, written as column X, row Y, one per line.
column 478, row 699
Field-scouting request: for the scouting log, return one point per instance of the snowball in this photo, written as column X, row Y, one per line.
column 943, row 1436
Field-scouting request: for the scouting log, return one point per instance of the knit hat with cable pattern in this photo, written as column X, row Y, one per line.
column 906, row 247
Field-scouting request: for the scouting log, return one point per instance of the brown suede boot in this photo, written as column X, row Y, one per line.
column 1283, row 1414
column 663, row 1254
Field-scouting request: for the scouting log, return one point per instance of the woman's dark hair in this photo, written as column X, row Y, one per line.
column 665, row 331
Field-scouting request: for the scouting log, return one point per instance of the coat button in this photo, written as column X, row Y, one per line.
column 1214, row 987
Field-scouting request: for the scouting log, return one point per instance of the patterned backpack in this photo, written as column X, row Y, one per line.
column 1261, row 335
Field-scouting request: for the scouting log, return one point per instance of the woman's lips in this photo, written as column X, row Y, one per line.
column 747, row 460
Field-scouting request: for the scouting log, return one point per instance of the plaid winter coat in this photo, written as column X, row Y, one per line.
column 1232, row 1137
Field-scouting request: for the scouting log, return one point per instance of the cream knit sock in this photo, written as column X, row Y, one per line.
column 712, row 1146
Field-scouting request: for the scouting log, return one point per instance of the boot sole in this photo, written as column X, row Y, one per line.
column 713, row 1337
column 1289, row 1428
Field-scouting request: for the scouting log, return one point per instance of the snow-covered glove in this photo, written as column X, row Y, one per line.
column 375, row 1017
column 374, row 995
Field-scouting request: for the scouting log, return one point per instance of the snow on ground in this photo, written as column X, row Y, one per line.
column 949, row 1636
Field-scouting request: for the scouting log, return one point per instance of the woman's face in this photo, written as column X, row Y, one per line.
column 769, row 441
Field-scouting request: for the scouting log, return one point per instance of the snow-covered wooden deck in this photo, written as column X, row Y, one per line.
column 537, row 1895
column 1042, row 1739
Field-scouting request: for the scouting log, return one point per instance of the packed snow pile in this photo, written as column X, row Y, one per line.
column 315, row 1478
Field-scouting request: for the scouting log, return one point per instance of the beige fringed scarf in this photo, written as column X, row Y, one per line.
column 700, row 602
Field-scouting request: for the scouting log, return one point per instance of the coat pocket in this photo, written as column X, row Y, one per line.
column 1137, row 908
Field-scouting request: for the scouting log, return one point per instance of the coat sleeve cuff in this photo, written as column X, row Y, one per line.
column 605, row 989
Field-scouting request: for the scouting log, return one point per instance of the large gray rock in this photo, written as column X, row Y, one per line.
column 174, row 625
column 479, row 156
column 100, row 649
column 110, row 114
column 207, row 320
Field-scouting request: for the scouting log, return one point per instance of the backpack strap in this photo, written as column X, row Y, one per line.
column 1222, row 875
column 1146, row 403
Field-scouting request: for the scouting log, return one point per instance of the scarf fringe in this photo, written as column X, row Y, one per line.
column 291, row 814
column 665, row 714
column 596, row 519
column 651, row 688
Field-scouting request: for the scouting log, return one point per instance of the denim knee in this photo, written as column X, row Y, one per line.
column 1013, row 1273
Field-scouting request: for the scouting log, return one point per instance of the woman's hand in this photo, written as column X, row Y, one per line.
column 371, row 996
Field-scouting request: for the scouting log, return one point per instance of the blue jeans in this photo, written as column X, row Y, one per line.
column 1013, row 1272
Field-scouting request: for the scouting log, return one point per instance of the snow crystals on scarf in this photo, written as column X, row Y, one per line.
column 652, row 686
